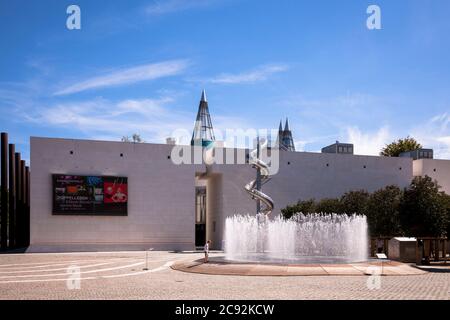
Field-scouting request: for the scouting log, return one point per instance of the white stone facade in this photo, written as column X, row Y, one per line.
column 161, row 203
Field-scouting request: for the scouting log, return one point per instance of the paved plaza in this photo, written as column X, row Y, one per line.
column 127, row 275
column 221, row 267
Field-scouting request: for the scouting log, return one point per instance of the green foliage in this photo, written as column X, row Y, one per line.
column 446, row 199
column 383, row 211
column 305, row 207
column 419, row 210
column 402, row 145
column 351, row 202
column 329, row 205
column 423, row 210
column 355, row 202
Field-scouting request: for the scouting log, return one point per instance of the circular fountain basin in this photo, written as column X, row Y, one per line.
column 265, row 259
column 220, row 266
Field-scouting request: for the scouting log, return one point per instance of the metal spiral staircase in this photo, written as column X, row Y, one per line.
column 252, row 186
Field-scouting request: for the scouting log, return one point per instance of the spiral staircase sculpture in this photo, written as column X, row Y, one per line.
column 251, row 187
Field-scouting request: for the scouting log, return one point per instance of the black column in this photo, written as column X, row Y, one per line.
column 23, row 211
column 12, row 196
column 18, row 200
column 27, row 206
column 4, row 192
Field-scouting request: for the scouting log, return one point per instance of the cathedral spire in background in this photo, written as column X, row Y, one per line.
column 279, row 141
column 288, row 141
column 203, row 98
column 286, row 125
column 285, row 141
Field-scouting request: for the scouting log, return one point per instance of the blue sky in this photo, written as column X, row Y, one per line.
column 140, row 66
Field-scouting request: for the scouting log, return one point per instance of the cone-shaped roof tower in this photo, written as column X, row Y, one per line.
column 203, row 134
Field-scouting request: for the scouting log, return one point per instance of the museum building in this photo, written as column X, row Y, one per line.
column 90, row 195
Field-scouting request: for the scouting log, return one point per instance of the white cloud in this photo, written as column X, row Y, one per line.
column 368, row 143
column 143, row 106
column 324, row 115
column 102, row 119
column 347, row 100
column 261, row 73
column 300, row 145
column 127, row 76
column 435, row 134
column 323, row 119
column 161, row 7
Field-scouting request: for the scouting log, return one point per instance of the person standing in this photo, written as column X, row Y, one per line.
column 380, row 245
column 206, row 250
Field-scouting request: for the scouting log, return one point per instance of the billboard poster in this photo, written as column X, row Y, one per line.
column 89, row 195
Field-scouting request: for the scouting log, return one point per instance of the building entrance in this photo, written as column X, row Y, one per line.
column 200, row 216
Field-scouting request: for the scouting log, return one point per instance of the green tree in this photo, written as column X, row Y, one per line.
column 329, row 205
column 446, row 198
column 382, row 212
column 419, row 210
column 307, row 206
column 402, row 145
column 423, row 210
column 355, row 202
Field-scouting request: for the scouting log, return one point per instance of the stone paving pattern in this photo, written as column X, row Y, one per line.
column 388, row 268
column 120, row 275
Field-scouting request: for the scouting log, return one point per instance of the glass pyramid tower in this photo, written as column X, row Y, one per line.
column 203, row 134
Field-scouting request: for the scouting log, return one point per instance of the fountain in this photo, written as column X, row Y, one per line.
column 311, row 238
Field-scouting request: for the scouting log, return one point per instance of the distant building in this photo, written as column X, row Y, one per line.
column 418, row 154
column 341, row 148
column 284, row 140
